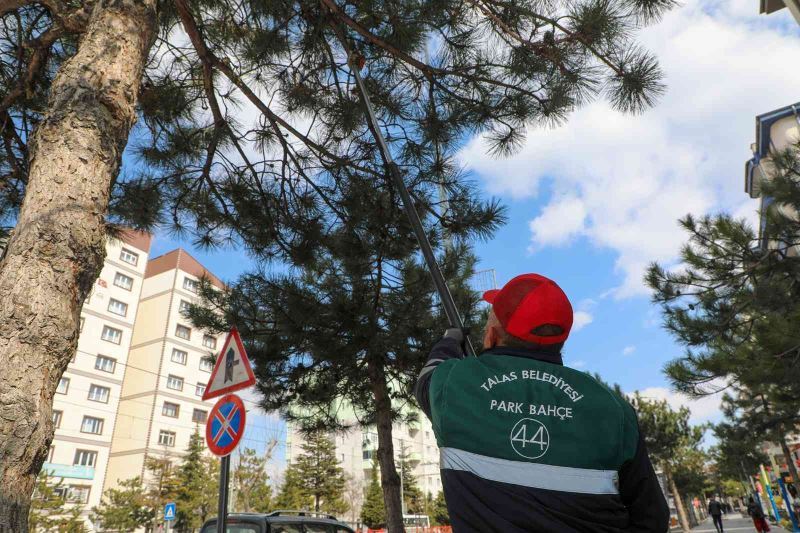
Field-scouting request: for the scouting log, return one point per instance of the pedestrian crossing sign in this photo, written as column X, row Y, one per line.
column 169, row 511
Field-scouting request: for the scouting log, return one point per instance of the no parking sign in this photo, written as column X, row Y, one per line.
column 225, row 425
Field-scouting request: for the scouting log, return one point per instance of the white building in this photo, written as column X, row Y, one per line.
column 86, row 402
column 168, row 367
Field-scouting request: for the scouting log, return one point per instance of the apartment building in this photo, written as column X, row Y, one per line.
column 160, row 402
column 87, row 398
column 356, row 448
column 775, row 131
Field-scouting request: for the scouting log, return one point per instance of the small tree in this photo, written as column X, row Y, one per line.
column 321, row 477
column 198, row 485
column 251, row 482
column 124, row 508
column 373, row 512
column 292, row 495
column 669, row 439
column 162, row 486
column 45, row 505
column 412, row 495
column 439, row 514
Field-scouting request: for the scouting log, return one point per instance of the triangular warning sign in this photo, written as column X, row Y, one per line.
column 232, row 371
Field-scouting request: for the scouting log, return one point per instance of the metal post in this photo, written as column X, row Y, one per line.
column 222, row 510
column 438, row 279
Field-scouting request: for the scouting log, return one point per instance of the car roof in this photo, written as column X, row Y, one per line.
column 270, row 518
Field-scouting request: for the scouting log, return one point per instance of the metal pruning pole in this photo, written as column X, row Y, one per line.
column 436, row 273
column 222, row 510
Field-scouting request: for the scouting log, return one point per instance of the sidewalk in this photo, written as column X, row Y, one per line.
column 733, row 524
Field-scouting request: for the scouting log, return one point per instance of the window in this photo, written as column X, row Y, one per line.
column 166, row 438
column 57, row 419
column 199, row 416
column 99, row 394
column 209, row 341
column 112, row 334
column 78, row 493
column 85, row 458
column 171, row 409
column 179, row 356
column 123, row 281
column 106, row 364
column 129, row 257
column 183, row 307
column 366, row 454
column 117, row 307
column 190, row 284
column 183, row 332
column 174, row 382
column 80, row 328
column 63, row 386
column 92, row 425
column 206, row 365
column 199, row 389
column 50, row 454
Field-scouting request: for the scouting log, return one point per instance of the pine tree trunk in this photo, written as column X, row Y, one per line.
column 57, row 248
column 390, row 480
column 787, row 454
column 683, row 518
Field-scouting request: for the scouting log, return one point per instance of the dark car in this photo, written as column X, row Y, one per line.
column 279, row 522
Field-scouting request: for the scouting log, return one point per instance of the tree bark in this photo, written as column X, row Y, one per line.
column 58, row 246
column 390, row 479
column 683, row 518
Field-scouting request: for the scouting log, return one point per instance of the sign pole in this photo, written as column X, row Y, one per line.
column 222, row 510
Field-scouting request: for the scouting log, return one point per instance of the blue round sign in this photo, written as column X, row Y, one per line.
column 225, row 425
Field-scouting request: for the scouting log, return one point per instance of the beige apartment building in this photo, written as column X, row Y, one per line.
column 355, row 450
column 87, row 398
column 160, row 403
column 135, row 384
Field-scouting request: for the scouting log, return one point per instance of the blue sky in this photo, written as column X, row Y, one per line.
column 593, row 202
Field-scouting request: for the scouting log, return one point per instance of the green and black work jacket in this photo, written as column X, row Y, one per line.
column 527, row 444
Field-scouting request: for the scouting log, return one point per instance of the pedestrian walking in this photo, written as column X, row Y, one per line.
column 715, row 510
column 758, row 516
column 527, row 444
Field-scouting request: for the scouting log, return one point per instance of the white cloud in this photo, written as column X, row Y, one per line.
column 577, row 364
column 705, row 409
column 559, row 222
column 580, row 320
column 623, row 181
column 628, row 350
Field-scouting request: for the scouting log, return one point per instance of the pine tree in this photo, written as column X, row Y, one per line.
column 439, row 514
column 198, row 485
column 373, row 512
column 162, row 486
column 437, row 70
column 321, row 478
column 125, row 508
column 736, row 306
column 737, row 450
column 292, row 495
column 670, row 440
column 251, row 482
column 412, row 495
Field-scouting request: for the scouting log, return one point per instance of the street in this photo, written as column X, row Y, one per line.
column 734, row 523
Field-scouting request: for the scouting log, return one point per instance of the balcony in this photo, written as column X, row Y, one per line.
column 69, row 471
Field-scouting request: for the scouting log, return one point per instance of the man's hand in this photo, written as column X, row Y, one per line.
column 458, row 335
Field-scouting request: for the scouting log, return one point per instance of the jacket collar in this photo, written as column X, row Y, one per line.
column 539, row 355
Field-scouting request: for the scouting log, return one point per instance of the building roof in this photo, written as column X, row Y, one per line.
column 137, row 239
column 182, row 260
column 761, row 147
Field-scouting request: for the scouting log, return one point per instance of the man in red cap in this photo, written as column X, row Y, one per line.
column 526, row 443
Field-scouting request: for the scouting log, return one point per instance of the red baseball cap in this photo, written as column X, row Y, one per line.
column 528, row 302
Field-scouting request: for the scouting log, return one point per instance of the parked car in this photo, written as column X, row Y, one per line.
column 279, row 522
